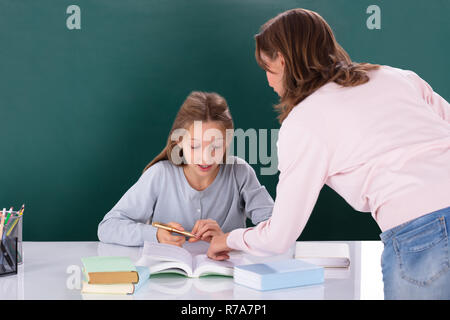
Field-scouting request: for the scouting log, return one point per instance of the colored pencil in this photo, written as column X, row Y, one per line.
column 17, row 220
column 2, row 222
column 9, row 215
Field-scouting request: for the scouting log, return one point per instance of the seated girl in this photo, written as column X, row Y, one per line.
column 193, row 184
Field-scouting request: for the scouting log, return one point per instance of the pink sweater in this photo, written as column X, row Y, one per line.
column 383, row 146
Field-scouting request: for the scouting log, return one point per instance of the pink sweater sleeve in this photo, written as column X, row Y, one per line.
column 438, row 104
column 303, row 163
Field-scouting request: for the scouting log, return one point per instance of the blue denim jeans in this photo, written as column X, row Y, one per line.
column 415, row 260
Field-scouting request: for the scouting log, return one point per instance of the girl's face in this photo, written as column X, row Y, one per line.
column 204, row 147
column 275, row 75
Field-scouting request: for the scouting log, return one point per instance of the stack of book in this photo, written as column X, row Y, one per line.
column 112, row 275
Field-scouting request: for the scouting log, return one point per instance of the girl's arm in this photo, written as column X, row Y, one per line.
column 256, row 202
column 126, row 223
column 303, row 164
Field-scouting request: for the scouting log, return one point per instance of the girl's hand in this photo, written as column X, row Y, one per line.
column 205, row 230
column 165, row 236
column 218, row 249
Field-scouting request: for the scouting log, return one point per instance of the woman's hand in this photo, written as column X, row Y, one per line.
column 205, row 230
column 218, row 249
column 165, row 236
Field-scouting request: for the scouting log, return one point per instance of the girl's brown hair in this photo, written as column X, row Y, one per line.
column 311, row 53
column 198, row 106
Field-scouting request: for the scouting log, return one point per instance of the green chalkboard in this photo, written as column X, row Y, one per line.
column 82, row 111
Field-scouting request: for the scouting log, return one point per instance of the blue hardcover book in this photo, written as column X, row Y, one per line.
column 278, row 274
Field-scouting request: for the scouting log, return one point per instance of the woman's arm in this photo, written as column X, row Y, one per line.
column 256, row 202
column 303, row 163
column 126, row 222
column 438, row 104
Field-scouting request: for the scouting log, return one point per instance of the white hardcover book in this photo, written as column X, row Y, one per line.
column 325, row 254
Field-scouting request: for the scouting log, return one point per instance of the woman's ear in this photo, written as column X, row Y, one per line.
column 281, row 59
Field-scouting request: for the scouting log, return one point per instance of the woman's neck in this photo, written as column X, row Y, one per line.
column 197, row 182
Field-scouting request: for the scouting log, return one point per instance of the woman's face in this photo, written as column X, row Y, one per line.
column 275, row 75
column 204, row 147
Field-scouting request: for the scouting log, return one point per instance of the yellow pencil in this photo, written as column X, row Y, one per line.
column 12, row 226
column 17, row 220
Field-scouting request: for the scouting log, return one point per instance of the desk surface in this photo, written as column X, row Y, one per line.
column 52, row 270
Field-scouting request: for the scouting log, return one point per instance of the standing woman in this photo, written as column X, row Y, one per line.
column 379, row 136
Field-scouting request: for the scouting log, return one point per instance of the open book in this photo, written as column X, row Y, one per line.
column 191, row 260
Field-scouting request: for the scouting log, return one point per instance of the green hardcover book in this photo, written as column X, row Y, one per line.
column 109, row 270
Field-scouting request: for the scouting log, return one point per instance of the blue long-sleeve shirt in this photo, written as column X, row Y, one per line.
column 163, row 194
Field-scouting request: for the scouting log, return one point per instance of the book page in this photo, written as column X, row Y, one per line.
column 206, row 266
column 166, row 252
column 178, row 267
column 161, row 257
column 202, row 265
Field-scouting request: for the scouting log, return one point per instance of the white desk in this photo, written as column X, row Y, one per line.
column 51, row 270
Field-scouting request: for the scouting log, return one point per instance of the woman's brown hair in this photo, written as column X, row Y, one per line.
column 311, row 53
column 198, row 106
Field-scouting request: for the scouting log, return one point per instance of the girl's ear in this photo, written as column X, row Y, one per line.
column 181, row 144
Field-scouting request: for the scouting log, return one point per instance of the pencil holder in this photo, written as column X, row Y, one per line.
column 8, row 255
column 14, row 229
